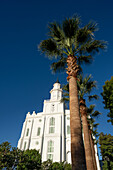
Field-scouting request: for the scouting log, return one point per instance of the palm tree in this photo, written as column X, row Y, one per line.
column 85, row 85
column 70, row 44
column 91, row 114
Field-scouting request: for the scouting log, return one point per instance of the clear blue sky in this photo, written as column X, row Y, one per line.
column 25, row 75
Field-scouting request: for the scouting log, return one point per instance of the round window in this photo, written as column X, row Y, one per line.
column 37, row 142
column 68, row 118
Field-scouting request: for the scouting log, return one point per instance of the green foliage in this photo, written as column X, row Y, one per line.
column 30, row 159
column 47, row 165
column 85, row 86
column 91, row 115
column 11, row 158
column 57, row 166
column 6, row 156
column 106, row 147
column 107, row 95
column 69, row 38
column 59, row 65
column 67, row 166
column 61, row 166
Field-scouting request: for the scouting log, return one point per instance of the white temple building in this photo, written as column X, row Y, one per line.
column 49, row 131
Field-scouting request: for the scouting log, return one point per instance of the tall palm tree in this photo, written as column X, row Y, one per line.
column 69, row 43
column 93, row 130
column 85, row 85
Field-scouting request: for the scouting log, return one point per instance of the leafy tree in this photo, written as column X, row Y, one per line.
column 6, row 156
column 72, row 45
column 61, row 166
column 57, row 166
column 106, row 147
column 48, row 165
column 107, row 95
column 12, row 158
column 67, row 166
column 30, row 159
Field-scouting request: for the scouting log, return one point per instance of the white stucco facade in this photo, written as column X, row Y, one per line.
column 49, row 131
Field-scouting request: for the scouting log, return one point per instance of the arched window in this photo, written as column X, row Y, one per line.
column 27, row 133
column 38, row 131
column 50, row 150
column 68, row 130
column 52, row 125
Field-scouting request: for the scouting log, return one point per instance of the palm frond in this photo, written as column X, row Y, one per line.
column 82, row 36
column 87, row 59
column 95, row 46
column 58, row 35
column 92, row 26
column 66, row 94
column 49, row 48
column 68, row 38
column 85, row 85
column 70, row 26
column 55, row 31
column 58, row 66
column 93, row 97
column 90, row 109
column 66, row 87
column 86, row 33
column 95, row 125
column 96, row 113
column 65, row 99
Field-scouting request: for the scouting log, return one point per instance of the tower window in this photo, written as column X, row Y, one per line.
column 38, row 131
column 50, row 150
column 58, row 95
column 68, row 130
column 52, row 125
column 27, row 133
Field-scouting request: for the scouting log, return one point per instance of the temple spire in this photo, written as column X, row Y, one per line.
column 57, row 81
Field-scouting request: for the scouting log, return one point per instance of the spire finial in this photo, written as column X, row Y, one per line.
column 57, row 80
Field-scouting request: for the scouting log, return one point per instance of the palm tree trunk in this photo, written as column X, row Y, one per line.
column 87, row 146
column 77, row 147
column 93, row 150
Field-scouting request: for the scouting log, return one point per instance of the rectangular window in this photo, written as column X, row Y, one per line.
column 51, row 129
column 27, row 133
column 52, row 125
column 38, row 132
column 25, row 145
column 50, row 156
column 68, row 130
column 50, row 149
